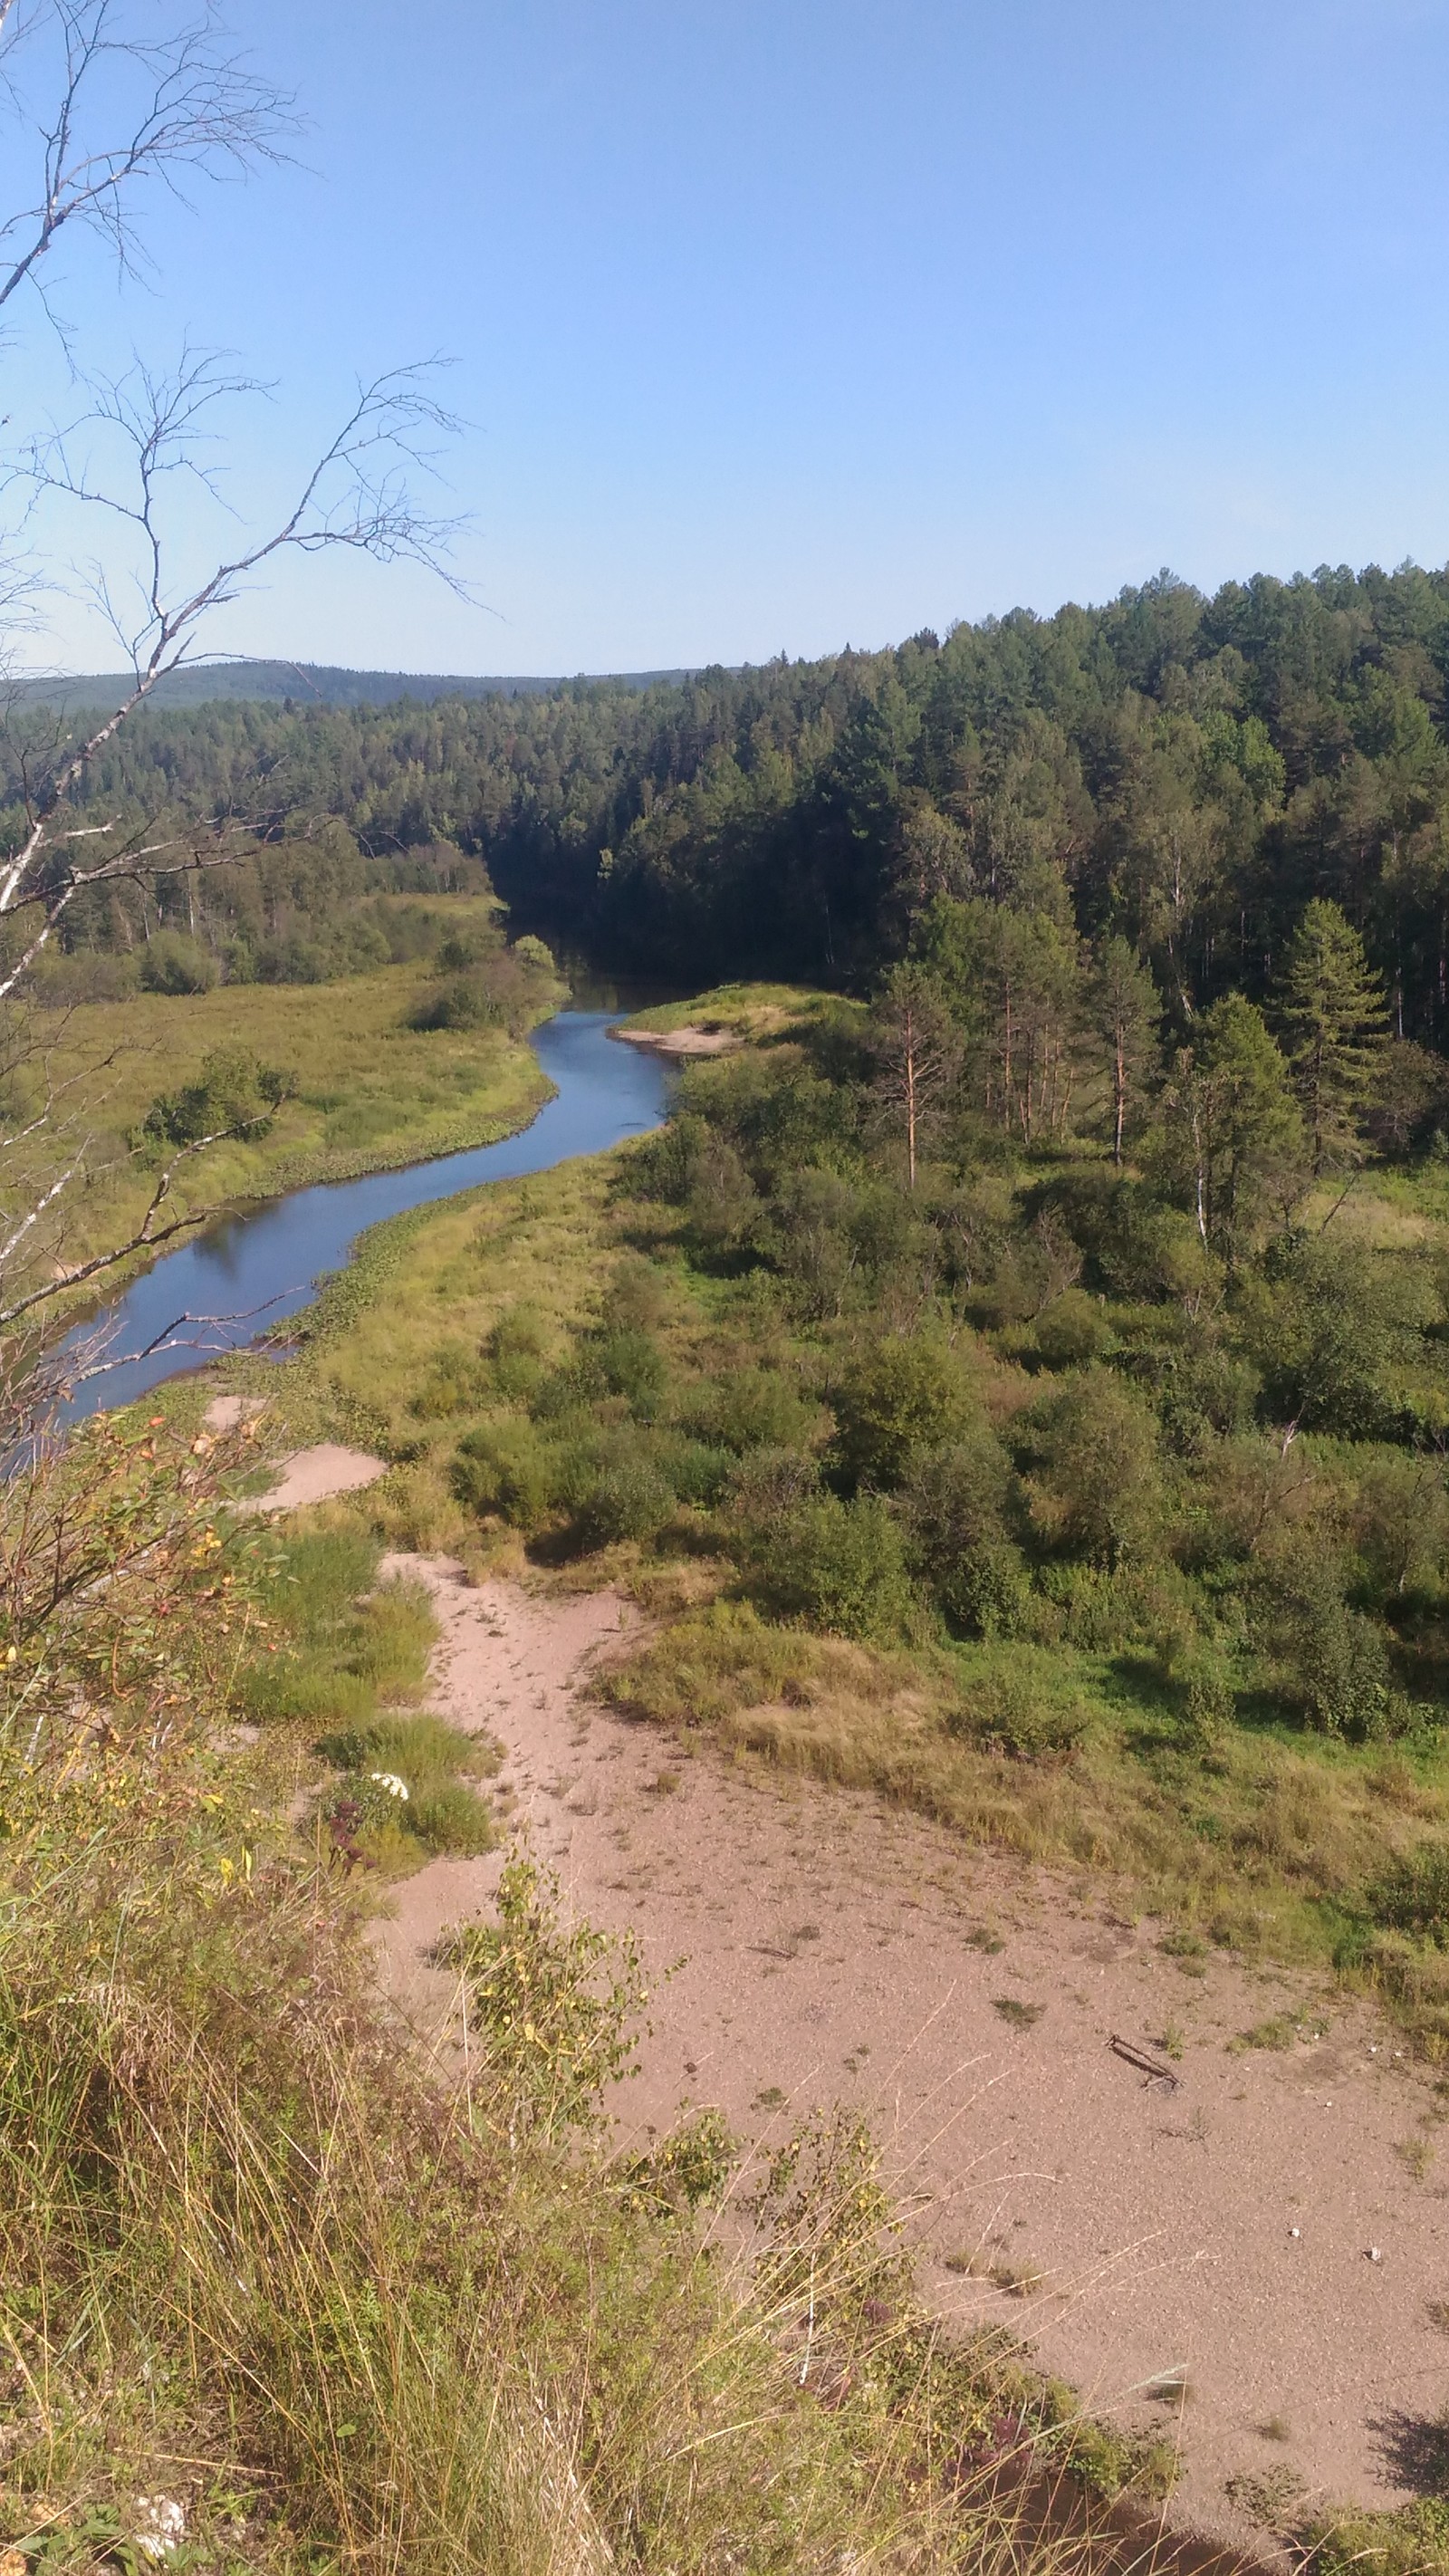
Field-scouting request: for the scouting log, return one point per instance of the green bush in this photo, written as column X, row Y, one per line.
column 419, row 1749
column 1413, row 1895
column 627, row 1498
column 452, row 1818
column 460, row 1002
column 1325, row 1658
column 954, row 1505
column 1072, row 1330
column 172, row 963
column 631, row 1364
column 903, row 1395
column 1097, row 1492
column 517, row 1351
column 507, row 1469
column 1009, row 1710
column 751, row 1408
column 234, row 1092
column 841, row 1566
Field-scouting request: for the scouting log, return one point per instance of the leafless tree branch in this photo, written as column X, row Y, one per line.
column 125, row 108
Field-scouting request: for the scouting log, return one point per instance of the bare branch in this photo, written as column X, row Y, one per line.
column 147, row 1237
column 126, row 109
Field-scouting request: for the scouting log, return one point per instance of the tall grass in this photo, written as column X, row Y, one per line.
column 262, row 2270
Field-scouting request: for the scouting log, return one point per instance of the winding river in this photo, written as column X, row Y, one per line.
column 247, row 1273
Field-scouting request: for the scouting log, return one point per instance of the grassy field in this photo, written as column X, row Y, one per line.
column 367, row 1090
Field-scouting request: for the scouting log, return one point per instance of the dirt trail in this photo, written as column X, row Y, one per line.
column 836, row 1949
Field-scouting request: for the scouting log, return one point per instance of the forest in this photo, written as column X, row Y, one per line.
column 1182, row 773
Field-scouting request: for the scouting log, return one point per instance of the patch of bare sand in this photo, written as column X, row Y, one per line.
column 682, row 1042
column 838, row 1949
column 314, row 1475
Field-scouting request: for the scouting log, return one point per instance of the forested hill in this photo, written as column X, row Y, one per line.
column 1186, row 772
column 310, row 683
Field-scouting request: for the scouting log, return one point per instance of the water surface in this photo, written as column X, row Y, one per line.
column 246, row 1274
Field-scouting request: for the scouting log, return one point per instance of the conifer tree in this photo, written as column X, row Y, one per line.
column 1336, row 1018
column 1128, row 1012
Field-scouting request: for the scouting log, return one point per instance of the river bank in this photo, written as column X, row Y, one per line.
column 235, row 1283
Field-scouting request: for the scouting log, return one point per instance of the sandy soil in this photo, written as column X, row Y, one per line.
column 837, row 1950
column 313, row 1475
column 682, row 1042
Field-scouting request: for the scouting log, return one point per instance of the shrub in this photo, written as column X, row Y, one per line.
column 771, row 1483
column 465, row 1001
column 954, row 1505
column 1010, row 1710
column 233, row 1091
column 841, row 1566
column 1413, row 1894
column 1325, row 1324
column 534, row 953
column 507, row 1469
column 1326, row 1657
column 1098, row 1493
column 517, row 1352
column 627, row 1498
column 172, row 963
column 1072, row 1330
column 903, row 1395
column 630, row 1363
column 1401, row 1525
column 636, row 1300
column 452, row 1818
column 745, row 1409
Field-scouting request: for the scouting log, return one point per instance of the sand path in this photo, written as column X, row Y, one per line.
column 837, row 1949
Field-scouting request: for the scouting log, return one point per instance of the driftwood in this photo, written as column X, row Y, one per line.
column 1149, row 2066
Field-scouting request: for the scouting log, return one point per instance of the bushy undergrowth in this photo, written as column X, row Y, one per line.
column 266, row 2291
column 1010, row 1433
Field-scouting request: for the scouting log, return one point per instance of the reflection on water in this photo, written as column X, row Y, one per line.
column 249, row 1272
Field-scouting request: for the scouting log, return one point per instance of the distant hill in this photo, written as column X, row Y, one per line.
column 310, row 684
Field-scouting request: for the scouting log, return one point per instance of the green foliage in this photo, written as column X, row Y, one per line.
column 551, row 2003
column 841, row 1565
column 1230, row 1139
column 1072, row 1330
column 956, row 1504
column 905, row 1393
column 233, row 1094
column 1096, row 1490
column 1413, row 1894
column 1011, row 1709
column 175, row 964
column 1334, row 1010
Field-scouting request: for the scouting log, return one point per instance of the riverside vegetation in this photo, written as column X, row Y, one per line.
column 295, row 1083
column 1096, row 1508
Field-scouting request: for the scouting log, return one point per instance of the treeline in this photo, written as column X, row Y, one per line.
column 1184, row 773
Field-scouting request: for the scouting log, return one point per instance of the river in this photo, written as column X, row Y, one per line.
column 251, row 1270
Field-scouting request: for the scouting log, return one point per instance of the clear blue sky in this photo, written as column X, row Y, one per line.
column 792, row 322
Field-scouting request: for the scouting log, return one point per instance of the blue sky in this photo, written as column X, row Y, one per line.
column 790, row 323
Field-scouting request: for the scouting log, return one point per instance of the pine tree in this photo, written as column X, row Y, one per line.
column 917, row 1051
column 1336, row 1018
column 1128, row 1011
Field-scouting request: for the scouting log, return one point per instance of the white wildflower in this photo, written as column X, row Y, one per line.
column 160, row 2526
column 389, row 1781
